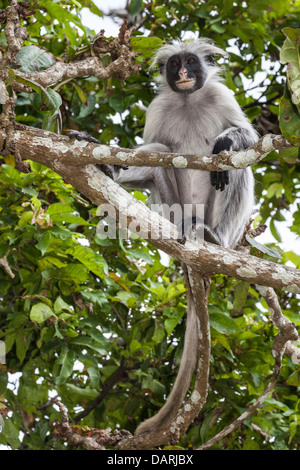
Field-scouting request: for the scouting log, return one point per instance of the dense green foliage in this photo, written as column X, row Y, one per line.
column 80, row 312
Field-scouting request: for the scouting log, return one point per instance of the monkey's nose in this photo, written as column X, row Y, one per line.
column 183, row 73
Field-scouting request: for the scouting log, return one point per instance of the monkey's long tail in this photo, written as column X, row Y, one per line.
column 185, row 373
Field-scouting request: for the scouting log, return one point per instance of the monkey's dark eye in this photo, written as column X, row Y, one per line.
column 210, row 59
column 174, row 63
column 191, row 61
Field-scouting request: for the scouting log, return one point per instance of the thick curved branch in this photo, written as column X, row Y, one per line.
column 80, row 153
column 90, row 181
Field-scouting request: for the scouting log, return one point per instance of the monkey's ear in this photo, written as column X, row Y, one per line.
column 210, row 59
column 161, row 68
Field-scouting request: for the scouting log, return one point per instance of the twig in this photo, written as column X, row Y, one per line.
column 5, row 265
column 260, row 431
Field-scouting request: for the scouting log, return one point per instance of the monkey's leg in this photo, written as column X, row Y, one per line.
column 231, row 209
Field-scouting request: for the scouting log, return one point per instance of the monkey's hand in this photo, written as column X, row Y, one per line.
column 219, row 179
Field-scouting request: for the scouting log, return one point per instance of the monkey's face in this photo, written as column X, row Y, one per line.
column 185, row 73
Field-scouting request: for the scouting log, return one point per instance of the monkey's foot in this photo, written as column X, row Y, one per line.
column 106, row 169
column 83, row 136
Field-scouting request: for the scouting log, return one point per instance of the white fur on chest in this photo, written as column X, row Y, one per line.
column 185, row 123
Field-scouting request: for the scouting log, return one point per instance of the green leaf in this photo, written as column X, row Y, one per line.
column 290, row 54
column 145, row 45
column 262, row 248
column 41, row 312
column 171, row 323
column 136, row 7
column 157, row 388
column 134, row 346
column 33, row 58
column 289, row 121
column 94, row 374
column 127, row 298
column 58, row 208
column 117, row 103
column 250, row 444
column 274, row 231
column 66, row 359
column 44, row 242
column 81, row 93
column 60, row 305
column 240, row 295
column 275, row 189
column 21, row 345
column 88, row 107
column 158, row 334
column 294, row 379
column 74, row 272
column 93, row 261
column 3, row 374
column 222, row 339
column 223, row 323
column 78, row 394
column 45, row 95
column 25, row 219
column 11, row 433
column 89, row 343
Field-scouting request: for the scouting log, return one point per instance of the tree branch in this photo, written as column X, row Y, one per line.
column 80, row 153
column 55, row 153
column 64, row 430
column 92, row 439
column 91, row 66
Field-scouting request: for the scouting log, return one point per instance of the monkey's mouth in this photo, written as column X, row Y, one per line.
column 185, row 83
